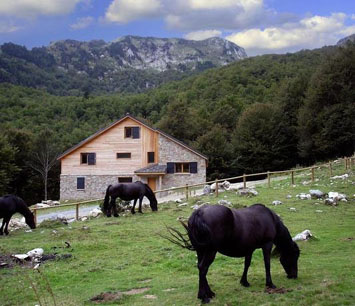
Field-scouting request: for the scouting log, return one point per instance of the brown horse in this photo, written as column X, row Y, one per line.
column 11, row 204
column 236, row 233
column 128, row 192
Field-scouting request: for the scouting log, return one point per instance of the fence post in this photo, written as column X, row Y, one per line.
column 187, row 191
column 216, row 188
column 330, row 169
column 268, row 179
column 244, row 181
column 346, row 163
column 35, row 215
column 77, row 211
column 292, row 177
column 312, row 174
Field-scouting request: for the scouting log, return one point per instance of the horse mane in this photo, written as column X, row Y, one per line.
column 150, row 193
column 21, row 205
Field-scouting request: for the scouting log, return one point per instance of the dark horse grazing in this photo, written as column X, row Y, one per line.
column 11, row 204
column 236, row 233
column 128, row 192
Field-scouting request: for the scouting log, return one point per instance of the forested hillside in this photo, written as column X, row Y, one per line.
column 263, row 113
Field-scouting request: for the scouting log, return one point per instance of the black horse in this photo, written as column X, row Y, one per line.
column 236, row 233
column 11, row 204
column 128, row 192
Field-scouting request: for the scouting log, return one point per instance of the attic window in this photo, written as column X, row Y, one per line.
column 123, row 155
column 88, row 158
column 151, row 158
column 132, row 132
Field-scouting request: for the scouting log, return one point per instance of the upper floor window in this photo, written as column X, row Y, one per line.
column 123, row 155
column 151, row 157
column 132, row 132
column 88, row 158
column 182, row 167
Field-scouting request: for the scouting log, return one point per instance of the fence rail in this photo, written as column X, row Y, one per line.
column 348, row 164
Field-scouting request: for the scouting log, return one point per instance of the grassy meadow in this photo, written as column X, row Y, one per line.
column 120, row 254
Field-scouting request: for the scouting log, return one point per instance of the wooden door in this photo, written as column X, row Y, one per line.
column 152, row 183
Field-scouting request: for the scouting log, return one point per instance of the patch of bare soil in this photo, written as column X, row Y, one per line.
column 115, row 296
column 277, row 290
column 348, row 239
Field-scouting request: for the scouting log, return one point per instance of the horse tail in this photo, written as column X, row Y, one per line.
column 107, row 197
column 198, row 230
column 151, row 196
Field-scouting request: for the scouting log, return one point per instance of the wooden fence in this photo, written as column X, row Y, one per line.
column 188, row 189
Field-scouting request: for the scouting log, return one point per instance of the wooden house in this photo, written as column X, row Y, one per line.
column 126, row 151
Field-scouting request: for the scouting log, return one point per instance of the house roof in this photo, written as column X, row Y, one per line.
column 100, row 132
column 152, row 169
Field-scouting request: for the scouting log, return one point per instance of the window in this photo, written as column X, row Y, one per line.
column 123, row 155
column 88, row 158
column 181, row 167
column 125, row 179
column 132, row 132
column 151, row 157
column 80, row 183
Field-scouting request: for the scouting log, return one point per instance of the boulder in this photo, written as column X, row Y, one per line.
column 206, row 189
column 316, row 194
column 341, row 177
column 305, row 235
column 276, row 202
column 247, row 192
column 182, row 205
column 226, row 185
column 304, row 196
column 95, row 213
column 178, row 201
column 224, row 202
column 35, row 253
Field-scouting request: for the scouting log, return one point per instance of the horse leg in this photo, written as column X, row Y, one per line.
column 112, row 203
column 7, row 221
column 133, row 207
column 267, row 254
column 140, row 205
column 247, row 262
column 205, row 259
column 2, row 226
column 114, row 208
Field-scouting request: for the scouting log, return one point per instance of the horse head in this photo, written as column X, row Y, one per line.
column 289, row 260
column 154, row 204
column 30, row 220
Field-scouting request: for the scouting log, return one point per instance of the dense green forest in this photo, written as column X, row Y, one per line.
column 268, row 112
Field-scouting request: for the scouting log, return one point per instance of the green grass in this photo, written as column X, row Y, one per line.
column 119, row 254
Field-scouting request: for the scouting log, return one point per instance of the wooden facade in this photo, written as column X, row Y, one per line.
column 125, row 151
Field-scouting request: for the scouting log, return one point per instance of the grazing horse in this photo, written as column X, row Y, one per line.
column 11, row 204
column 128, row 192
column 236, row 233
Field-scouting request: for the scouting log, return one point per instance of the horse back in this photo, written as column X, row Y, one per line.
column 8, row 204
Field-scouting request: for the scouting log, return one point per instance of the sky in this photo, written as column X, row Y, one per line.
column 259, row 26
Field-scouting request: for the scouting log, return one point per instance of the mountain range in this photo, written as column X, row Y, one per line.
column 128, row 64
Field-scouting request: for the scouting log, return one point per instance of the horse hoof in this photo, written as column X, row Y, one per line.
column 245, row 284
column 116, row 215
column 272, row 286
column 140, row 212
column 206, row 300
column 133, row 212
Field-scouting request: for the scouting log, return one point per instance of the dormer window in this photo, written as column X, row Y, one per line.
column 132, row 132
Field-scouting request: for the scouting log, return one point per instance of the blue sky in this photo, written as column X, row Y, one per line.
column 259, row 26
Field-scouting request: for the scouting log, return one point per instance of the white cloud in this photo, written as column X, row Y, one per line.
column 190, row 15
column 124, row 11
column 34, row 8
column 201, row 35
column 310, row 32
column 221, row 4
column 8, row 27
column 82, row 23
